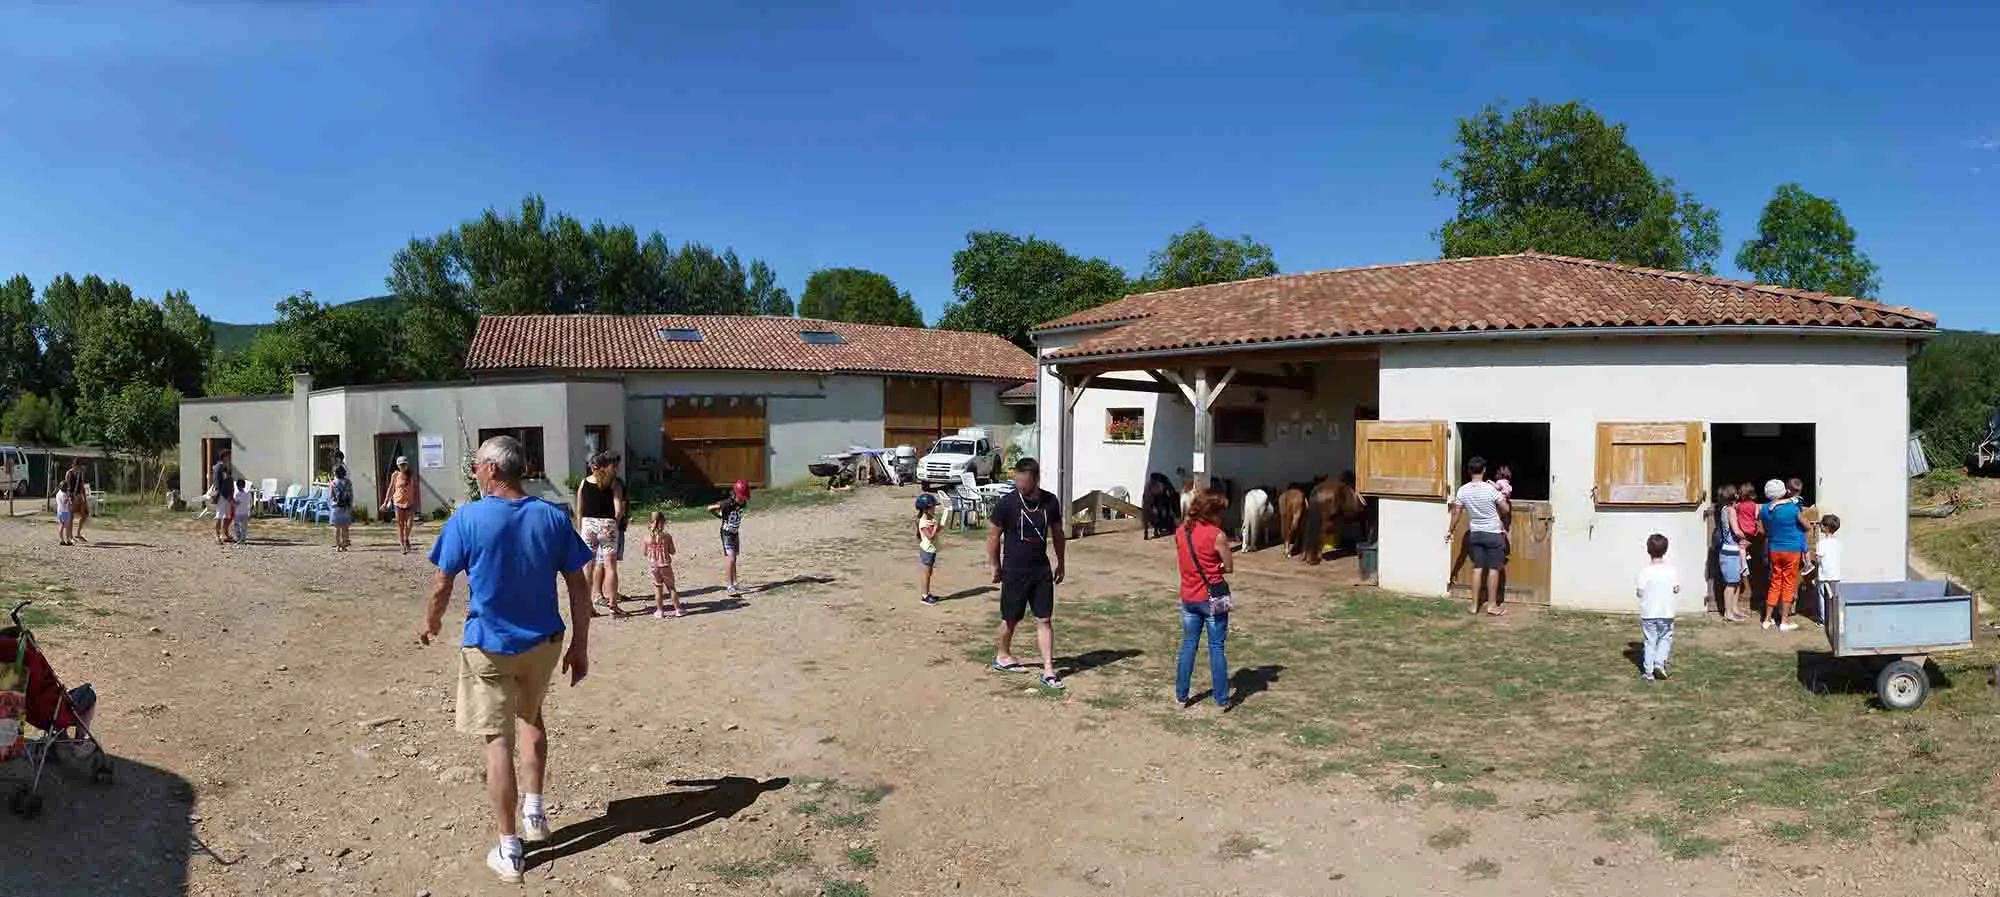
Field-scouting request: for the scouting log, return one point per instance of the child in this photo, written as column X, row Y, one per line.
column 341, row 495
column 1746, row 515
column 65, row 517
column 730, row 512
column 240, row 521
column 1658, row 584
column 927, row 530
column 1729, row 562
column 1503, row 480
column 1828, row 558
column 660, row 560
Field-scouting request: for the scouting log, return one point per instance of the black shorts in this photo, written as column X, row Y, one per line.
column 1022, row 592
column 1488, row 550
column 732, row 543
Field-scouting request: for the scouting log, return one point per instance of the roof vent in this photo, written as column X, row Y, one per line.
column 821, row 337
column 679, row 334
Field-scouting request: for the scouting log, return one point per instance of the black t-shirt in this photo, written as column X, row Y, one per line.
column 1024, row 531
column 225, row 485
column 593, row 500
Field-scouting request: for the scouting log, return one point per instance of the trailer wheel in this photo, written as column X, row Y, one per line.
column 1902, row 685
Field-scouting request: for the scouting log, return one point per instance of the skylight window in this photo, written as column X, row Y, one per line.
column 821, row 337
column 679, row 334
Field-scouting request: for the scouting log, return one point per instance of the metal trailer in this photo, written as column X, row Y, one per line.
column 1903, row 623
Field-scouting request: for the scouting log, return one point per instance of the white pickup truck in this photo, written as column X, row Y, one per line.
column 13, row 471
column 968, row 449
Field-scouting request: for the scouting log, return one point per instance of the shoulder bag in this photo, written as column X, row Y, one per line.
column 1219, row 599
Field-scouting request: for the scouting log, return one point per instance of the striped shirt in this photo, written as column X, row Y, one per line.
column 1481, row 501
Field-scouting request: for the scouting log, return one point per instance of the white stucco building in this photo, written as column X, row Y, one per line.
column 706, row 398
column 1621, row 397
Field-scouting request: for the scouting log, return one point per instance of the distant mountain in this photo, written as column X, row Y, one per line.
column 237, row 337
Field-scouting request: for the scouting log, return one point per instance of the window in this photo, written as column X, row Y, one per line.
column 1125, row 425
column 324, row 448
column 531, row 443
column 821, row 337
column 679, row 334
column 596, row 438
column 1239, row 426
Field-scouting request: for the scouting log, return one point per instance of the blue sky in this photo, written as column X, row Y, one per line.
column 242, row 152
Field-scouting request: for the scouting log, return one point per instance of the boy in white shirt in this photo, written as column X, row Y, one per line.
column 1658, row 584
column 1826, row 560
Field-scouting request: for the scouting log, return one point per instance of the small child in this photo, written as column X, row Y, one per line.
column 730, row 512
column 660, row 560
column 1658, row 584
column 1503, row 480
column 927, row 531
column 1828, row 561
column 1746, row 517
column 240, row 522
column 341, row 495
column 65, row 517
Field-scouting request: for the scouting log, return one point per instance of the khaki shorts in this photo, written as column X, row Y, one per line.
column 494, row 687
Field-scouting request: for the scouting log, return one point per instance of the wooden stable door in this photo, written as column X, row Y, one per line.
column 915, row 412
column 716, row 439
column 1528, row 568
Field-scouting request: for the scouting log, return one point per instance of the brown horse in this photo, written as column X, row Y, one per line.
column 1291, row 517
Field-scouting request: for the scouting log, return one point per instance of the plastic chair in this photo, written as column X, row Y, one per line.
column 304, row 506
column 293, row 494
column 265, row 496
column 968, row 505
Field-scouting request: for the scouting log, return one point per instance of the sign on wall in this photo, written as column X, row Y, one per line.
column 430, row 451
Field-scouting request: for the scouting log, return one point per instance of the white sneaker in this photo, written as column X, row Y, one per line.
column 1788, row 627
column 1768, row 624
column 660, row 613
column 535, row 827
column 508, row 868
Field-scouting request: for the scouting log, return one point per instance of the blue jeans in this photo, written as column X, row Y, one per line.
column 1193, row 618
column 1659, row 642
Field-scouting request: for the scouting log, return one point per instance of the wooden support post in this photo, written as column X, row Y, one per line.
column 1204, row 430
column 1066, row 445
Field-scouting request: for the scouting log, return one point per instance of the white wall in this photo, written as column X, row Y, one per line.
column 1853, row 390
column 848, row 412
column 259, row 429
column 436, row 411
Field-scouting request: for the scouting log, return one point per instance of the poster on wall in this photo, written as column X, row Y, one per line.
column 430, row 451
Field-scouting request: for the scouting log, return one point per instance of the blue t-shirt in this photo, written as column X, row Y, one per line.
column 1783, row 528
column 511, row 550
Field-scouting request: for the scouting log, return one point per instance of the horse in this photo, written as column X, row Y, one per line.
column 1291, row 516
column 1163, row 512
column 1258, row 516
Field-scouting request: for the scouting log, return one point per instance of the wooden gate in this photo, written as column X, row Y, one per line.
column 1528, row 570
column 916, row 412
column 715, row 439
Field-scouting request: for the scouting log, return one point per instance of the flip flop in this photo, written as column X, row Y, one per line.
column 1052, row 683
column 1015, row 667
column 1496, row 612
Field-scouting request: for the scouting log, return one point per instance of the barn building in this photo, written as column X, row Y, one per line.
column 1620, row 396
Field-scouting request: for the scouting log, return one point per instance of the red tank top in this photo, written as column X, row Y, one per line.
column 1194, row 581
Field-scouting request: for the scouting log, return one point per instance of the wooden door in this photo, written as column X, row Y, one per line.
column 1527, row 576
column 954, row 406
column 716, row 439
column 1402, row 459
column 389, row 447
column 211, row 448
column 911, row 411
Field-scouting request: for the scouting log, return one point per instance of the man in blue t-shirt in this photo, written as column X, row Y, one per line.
column 512, row 548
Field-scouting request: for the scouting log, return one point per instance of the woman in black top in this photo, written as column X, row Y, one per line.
column 597, row 518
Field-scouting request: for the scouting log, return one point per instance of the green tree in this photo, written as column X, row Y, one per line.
column 33, row 420
column 857, row 295
column 191, row 342
column 341, row 345
column 1005, row 284
column 1804, row 242
column 20, row 348
column 123, row 341
column 143, row 418
column 705, row 283
column 1196, row 257
column 766, row 297
column 1560, row 179
column 1954, row 383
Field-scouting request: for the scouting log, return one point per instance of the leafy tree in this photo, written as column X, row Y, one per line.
column 704, row 283
column 1196, row 257
column 191, row 342
column 1804, row 242
column 122, row 341
column 342, row 345
column 1954, row 383
column 766, row 297
column 142, row 418
column 1560, row 179
column 857, row 295
column 1005, row 284
column 20, row 348
column 33, row 420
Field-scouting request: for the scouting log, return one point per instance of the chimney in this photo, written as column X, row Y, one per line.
column 299, row 436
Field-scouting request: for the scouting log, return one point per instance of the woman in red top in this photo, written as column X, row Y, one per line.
column 1203, row 548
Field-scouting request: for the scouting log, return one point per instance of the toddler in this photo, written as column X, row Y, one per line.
column 660, row 560
column 1658, row 584
column 927, row 531
column 240, row 522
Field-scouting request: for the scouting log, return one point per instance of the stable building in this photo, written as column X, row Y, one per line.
column 1620, row 396
column 705, row 398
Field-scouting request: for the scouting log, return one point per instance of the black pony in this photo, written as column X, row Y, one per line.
column 1162, row 504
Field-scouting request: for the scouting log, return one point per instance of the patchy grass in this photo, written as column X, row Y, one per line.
column 1238, row 847
column 1450, row 838
column 846, row 820
column 837, row 888
column 692, row 505
column 862, row 858
column 1970, row 551
column 741, row 871
column 875, row 794
column 1422, row 698
column 1482, row 868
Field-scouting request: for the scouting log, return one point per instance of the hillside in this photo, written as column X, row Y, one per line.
column 237, row 337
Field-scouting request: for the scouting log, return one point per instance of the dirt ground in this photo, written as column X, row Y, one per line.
column 280, row 731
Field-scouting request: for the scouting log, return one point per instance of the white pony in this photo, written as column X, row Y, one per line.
column 1259, row 516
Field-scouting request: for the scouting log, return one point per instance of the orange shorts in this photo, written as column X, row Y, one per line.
column 1784, row 577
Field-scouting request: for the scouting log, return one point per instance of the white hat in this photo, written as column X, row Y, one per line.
column 404, row 459
column 1774, row 489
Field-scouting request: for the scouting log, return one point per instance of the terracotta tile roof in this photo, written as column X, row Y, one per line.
column 736, row 342
column 1024, row 394
column 1528, row 291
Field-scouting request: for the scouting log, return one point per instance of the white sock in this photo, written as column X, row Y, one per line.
column 531, row 805
column 510, row 846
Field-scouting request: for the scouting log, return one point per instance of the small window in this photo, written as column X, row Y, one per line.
column 1239, row 426
column 1125, row 425
column 679, row 334
column 821, row 337
column 530, row 439
column 324, row 448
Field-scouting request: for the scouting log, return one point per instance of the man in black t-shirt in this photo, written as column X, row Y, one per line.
column 1025, row 522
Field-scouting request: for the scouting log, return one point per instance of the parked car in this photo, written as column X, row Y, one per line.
column 968, row 449
column 13, row 470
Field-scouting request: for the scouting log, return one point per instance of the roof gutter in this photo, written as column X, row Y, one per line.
column 1036, row 333
column 1508, row 335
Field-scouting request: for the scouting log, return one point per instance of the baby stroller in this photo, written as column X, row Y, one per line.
column 31, row 693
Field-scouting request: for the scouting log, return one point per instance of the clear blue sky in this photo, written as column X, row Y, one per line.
column 244, row 152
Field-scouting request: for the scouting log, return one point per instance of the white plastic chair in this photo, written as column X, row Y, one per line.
column 265, row 496
column 968, row 504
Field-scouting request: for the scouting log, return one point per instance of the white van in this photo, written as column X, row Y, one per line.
column 13, row 470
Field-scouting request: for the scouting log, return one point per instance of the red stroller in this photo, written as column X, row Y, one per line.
column 30, row 692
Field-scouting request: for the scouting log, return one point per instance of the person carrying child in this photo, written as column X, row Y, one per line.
column 1731, row 562
column 730, row 511
column 1827, row 559
column 927, row 533
column 1657, row 586
column 660, row 562
column 340, row 494
column 1785, row 544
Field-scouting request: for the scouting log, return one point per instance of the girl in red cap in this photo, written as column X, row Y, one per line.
column 730, row 511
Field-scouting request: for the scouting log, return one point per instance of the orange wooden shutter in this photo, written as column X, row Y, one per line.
column 1404, row 458
column 1649, row 464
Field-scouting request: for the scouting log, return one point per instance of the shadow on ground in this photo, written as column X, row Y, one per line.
column 131, row 836
column 659, row 816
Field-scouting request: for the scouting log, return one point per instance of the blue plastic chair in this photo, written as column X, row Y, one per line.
column 303, row 508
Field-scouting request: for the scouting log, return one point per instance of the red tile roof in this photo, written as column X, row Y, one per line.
column 1023, row 394
column 1528, row 291
column 736, row 342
